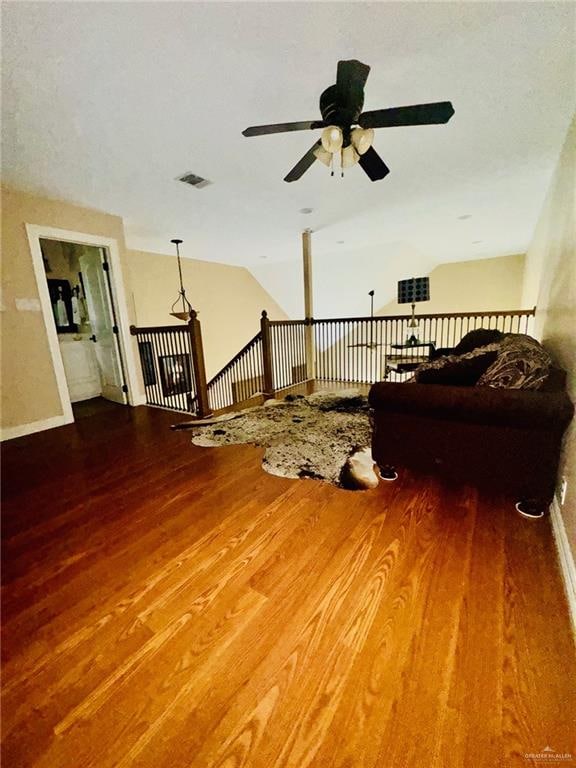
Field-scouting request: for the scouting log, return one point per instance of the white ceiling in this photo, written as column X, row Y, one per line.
column 104, row 104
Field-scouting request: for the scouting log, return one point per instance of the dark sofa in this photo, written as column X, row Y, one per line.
column 505, row 440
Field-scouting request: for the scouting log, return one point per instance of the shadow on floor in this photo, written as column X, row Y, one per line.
column 94, row 407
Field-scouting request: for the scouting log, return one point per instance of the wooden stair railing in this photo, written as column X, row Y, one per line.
column 241, row 378
column 172, row 364
column 349, row 350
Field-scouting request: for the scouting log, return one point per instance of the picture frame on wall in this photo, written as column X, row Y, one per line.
column 175, row 375
column 61, row 301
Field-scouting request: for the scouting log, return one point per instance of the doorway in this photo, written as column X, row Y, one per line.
column 85, row 318
column 82, row 298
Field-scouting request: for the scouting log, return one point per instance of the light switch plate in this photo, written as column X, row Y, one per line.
column 28, row 305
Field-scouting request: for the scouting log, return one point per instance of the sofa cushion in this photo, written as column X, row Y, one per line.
column 522, row 363
column 459, row 370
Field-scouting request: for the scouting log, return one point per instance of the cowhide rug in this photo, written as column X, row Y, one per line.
column 324, row 436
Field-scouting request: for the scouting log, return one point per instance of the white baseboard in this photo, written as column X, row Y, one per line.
column 566, row 558
column 9, row 433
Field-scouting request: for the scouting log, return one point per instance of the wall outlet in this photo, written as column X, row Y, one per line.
column 563, row 489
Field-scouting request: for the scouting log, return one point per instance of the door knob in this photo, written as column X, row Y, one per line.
column 93, row 338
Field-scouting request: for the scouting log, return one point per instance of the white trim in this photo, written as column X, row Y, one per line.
column 36, row 232
column 9, row 433
column 565, row 557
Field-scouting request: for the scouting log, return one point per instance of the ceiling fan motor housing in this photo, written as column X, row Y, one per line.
column 342, row 115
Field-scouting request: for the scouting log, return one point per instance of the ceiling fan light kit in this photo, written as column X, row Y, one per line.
column 324, row 156
column 349, row 157
column 362, row 139
column 332, row 139
column 348, row 130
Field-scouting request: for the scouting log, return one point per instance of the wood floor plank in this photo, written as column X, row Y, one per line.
column 170, row 606
column 538, row 695
column 280, row 616
column 188, row 577
column 473, row 716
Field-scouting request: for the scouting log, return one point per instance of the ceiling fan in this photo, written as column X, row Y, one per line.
column 371, row 345
column 348, row 131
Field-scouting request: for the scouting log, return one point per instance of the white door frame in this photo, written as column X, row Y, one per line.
column 35, row 233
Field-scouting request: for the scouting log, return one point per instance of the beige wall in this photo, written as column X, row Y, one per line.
column 551, row 284
column 229, row 301
column 467, row 286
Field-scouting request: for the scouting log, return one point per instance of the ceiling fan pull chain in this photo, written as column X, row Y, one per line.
column 332, row 165
column 341, row 163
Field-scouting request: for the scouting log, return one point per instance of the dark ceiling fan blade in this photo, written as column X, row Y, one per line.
column 373, row 165
column 262, row 130
column 303, row 164
column 418, row 114
column 351, row 74
column 351, row 78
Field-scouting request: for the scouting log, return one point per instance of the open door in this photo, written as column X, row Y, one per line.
column 94, row 267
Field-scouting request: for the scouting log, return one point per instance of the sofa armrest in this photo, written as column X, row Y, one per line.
column 480, row 405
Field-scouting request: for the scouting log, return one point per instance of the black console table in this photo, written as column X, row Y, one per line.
column 406, row 357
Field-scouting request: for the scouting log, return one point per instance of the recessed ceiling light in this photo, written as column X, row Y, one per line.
column 340, row 242
column 475, row 242
column 263, row 257
column 465, row 216
column 306, row 210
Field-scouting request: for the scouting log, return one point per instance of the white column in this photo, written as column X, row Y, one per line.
column 308, row 303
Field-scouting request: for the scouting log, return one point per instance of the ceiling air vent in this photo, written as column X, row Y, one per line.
column 194, row 181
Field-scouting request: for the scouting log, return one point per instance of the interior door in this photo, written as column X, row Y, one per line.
column 100, row 311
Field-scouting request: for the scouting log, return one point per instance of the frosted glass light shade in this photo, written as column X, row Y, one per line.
column 332, row 139
column 362, row 139
column 324, row 157
column 349, row 156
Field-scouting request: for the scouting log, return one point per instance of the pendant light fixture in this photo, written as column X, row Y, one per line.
column 184, row 314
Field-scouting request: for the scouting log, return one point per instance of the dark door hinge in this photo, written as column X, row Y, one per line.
column 115, row 329
column 105, row 266
column 125, row 388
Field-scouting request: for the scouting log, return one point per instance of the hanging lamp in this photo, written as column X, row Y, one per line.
column 186, row 306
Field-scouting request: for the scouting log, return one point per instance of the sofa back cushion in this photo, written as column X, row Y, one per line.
column 458, row 370
column 522, row 363
column 477, row 338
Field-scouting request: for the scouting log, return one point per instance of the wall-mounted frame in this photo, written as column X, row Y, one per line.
column 61, row 301
column 175, row 374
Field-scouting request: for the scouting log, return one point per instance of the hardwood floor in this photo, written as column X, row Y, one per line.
column 173, row 606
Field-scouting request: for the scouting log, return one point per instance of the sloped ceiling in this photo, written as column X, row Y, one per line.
column 105, row 104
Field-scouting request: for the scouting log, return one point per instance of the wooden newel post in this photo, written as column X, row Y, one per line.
column 268, row 385
column 198, row 366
